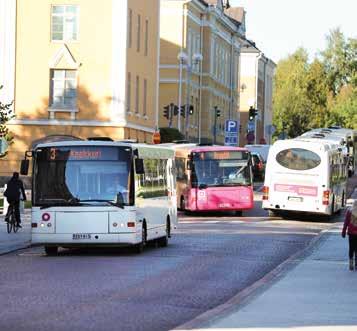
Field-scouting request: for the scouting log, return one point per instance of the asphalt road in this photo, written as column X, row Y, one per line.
column 208, row 261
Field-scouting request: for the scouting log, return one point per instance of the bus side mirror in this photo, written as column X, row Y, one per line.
column 24, row 167
column 139, row 166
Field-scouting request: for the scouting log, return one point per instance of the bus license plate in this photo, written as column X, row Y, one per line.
column 81, row 236
column 295, row 199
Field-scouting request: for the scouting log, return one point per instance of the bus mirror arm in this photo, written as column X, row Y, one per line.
column 120, row 200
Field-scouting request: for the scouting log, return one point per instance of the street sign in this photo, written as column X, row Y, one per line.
column 250, row 136
column 230, row 140
column 231, row 127
column 250, row 126
column 231, row 133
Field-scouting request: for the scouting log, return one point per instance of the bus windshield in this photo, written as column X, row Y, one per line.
column 221, row 168
column 72, row 175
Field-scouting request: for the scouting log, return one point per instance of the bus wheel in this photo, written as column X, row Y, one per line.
column 164, row 241
column 182, row 204
column 272, row 213
column 51, row 250
column 138, row 248
column 343, row 203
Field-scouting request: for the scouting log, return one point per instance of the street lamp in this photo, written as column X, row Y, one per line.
column 184, row 59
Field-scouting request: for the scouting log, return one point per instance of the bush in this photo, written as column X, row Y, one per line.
column 170, row 134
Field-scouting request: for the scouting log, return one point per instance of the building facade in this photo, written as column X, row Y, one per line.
column 199, row 67
column 78, row 68
column 256, row 86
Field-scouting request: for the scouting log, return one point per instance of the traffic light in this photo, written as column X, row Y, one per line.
column 190, row 110
column 175, row 110
column 252, row 113
column 217, row 111
column 167, row 111
column 183, row 111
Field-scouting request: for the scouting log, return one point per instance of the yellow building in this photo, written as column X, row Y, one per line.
column 199, row 66
column 78, row 68
column 256, row 85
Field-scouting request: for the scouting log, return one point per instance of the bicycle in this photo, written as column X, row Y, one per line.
column 11, row 223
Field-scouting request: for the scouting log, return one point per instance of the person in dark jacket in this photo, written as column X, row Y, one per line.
column 13, row 192
column 350, row 225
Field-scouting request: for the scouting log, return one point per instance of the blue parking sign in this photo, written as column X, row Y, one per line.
column 231, row 126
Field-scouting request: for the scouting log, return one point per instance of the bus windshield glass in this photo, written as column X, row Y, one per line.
column 221, row 168
column 71, row 175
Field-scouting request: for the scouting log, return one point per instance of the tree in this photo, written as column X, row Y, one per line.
column 292, row 109
column 170, row 134
column 6, row 114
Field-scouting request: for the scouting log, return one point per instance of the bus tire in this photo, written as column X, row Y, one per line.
column 139, row 248
column 164, row 241
column 273, row 213
column 182, row 204
column 51, row 250
column 343, row 203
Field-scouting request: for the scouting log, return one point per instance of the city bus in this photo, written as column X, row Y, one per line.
column 97, row 193
column 350, row 138
column 213, row 178
column 305, row 175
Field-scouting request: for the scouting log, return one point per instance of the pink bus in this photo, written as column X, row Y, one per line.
column 213, row 178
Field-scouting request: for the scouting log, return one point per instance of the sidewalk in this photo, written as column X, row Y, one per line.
column 314, row 292
column 13, row 241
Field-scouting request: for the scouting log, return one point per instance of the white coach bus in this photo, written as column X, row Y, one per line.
column 94, row 193
column 305, row 175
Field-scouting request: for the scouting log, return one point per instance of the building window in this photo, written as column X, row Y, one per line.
column 138, row 34
column 63, row 89
column 64, row 23
column 137, row 91
column 128, row 93
column 146, row 37
column 130, row 28
column 145, row 97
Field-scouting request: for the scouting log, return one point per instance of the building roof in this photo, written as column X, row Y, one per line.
column 236, row 13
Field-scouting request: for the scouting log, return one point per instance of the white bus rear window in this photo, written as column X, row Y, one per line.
column 298, row 159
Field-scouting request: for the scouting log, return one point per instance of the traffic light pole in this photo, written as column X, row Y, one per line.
column 187, row 117
column 215, row 125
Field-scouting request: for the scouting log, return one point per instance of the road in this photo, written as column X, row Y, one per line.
column 208, row 261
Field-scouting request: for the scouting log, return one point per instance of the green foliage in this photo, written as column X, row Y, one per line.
column 6, row 114
column 320, row 93
column 170, row 134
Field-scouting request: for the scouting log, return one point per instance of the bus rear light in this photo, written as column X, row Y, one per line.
column 265, row 192
column 49, row 225
column 326, row 198
column 46, row 217
column 115, row 224
column 34, row 225
column 131, row 224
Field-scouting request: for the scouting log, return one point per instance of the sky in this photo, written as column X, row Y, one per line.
column 279, row 27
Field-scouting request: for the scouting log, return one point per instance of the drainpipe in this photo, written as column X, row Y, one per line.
column 200, row 82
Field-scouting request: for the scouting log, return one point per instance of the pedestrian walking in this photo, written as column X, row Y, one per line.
column 350, row 226
column 14, row 191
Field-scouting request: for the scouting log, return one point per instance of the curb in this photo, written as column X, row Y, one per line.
column 235, row 303
column 14, row 249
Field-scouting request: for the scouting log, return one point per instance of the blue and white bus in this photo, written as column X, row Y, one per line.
column 97, row 193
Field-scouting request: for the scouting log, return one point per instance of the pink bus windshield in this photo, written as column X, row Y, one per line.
column 220, row 168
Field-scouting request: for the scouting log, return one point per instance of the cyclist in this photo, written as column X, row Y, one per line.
column 14, row 189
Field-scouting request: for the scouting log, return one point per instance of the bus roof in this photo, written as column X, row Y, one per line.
column 189, row 148
column 307, row 143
